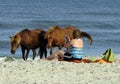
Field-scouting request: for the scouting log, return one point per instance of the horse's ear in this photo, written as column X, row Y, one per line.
column 10, row 36
column 48, row 36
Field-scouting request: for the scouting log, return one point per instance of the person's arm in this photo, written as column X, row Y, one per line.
column 67, row 44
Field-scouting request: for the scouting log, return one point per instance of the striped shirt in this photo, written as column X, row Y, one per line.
column 76, row 52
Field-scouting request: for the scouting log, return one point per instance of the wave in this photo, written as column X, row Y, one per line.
column 4, row 25
column 10, row 25
column 94, row 13
column 46, row 23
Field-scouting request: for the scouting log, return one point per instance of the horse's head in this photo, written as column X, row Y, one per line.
column 49, row 35
column 15, row 42
column 50, row 39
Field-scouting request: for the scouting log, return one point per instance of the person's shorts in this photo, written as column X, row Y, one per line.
column 68, row 56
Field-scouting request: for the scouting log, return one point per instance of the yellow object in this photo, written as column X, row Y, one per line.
column 108, row 55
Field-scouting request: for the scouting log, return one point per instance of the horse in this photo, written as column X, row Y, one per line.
column 55, row 36
column 29, row 39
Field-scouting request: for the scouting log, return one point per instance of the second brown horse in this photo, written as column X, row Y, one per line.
column 55, row 36
column 29, row 39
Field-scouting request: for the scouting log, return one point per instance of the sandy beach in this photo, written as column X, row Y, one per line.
column 58, row 72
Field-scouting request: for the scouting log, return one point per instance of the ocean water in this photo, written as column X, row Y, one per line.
column 99, row 18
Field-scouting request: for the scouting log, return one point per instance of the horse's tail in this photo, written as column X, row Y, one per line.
column 43, row 43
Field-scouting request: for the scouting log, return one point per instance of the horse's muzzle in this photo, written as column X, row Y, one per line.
column 12, row 51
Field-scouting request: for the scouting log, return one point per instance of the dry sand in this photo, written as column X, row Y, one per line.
column 59, row 72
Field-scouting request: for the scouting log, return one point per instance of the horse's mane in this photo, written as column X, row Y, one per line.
column 25, row 30
column 51, row 29
column 22, row 32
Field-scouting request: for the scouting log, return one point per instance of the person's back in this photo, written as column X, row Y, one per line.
column 76, row 48
column 77, row 43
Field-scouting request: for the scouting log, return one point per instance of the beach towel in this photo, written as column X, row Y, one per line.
column 108, row 57
column 77, row 61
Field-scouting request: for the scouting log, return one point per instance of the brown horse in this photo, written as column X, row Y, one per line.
column 29, row 39
column 55, row 36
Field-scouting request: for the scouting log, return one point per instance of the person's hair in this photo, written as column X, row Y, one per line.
column 76, row 34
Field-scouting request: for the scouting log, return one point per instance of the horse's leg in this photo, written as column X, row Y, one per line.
column 41, row 51
column 23, row 52
column 45, row 52
column 51, row 49
column 34, row 53
column 60, row 47
column 38, row 52
column 26, row 56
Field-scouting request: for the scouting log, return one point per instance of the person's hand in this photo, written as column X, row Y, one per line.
column 60, row 58
column 67, row 42
column 67, row 38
